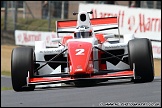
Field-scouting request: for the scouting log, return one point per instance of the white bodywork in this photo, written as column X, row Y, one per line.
column 41, row 51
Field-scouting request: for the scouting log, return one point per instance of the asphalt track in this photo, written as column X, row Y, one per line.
column 116, row 93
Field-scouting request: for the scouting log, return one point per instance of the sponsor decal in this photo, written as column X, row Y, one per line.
column 116, row 46
column 51, row 51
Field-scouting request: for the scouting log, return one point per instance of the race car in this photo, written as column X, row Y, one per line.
column 93, row 54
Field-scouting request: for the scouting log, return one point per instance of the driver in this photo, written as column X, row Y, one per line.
column 83, row 32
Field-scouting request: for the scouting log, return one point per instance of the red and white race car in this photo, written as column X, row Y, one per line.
column 89, row 56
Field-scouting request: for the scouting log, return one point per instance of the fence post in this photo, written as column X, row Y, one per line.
column 5, row 16
column 49, row 15
column 62, row 10
column 24, row 11
column 15, row 15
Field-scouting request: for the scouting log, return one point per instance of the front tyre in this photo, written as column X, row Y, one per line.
column 141, row 58
column 22, row 61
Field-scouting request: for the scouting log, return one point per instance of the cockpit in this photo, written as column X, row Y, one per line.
column 83, row 34
column 83, row 31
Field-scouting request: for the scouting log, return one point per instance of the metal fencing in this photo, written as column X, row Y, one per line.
column 17, row 14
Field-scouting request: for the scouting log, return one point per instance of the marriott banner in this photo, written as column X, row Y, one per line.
column 144, row 23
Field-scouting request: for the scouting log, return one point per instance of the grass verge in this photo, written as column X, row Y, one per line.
column 6, row 73
column 6, row 88
column 30, row 24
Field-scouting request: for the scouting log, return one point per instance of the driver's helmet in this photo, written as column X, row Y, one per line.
column 83, row 32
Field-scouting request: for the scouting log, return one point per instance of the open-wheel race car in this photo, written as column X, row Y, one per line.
column 88, row 57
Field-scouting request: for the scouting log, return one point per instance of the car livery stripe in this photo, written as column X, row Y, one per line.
column 95, row 21
column 116, row 74
column 34, row 80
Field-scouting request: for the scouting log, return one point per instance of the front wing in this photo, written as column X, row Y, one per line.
column 54, row 80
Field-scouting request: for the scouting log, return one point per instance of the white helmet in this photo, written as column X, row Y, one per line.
column 83, row 32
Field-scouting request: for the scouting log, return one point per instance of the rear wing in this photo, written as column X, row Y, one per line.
column 98, row 24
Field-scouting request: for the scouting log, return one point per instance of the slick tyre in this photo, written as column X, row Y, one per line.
column 22, row 61
column 141, row 59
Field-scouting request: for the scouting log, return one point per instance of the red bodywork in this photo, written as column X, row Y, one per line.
column 65, row 38
column 79, row 57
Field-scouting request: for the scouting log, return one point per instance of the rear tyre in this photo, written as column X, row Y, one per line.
column 22, row 61
column 140, row 55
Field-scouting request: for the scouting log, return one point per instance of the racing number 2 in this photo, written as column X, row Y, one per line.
column 79, row 52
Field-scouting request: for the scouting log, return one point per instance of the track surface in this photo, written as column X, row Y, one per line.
column 117, row 92
column 6, row 81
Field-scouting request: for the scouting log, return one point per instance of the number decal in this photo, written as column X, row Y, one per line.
column 79, row 52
